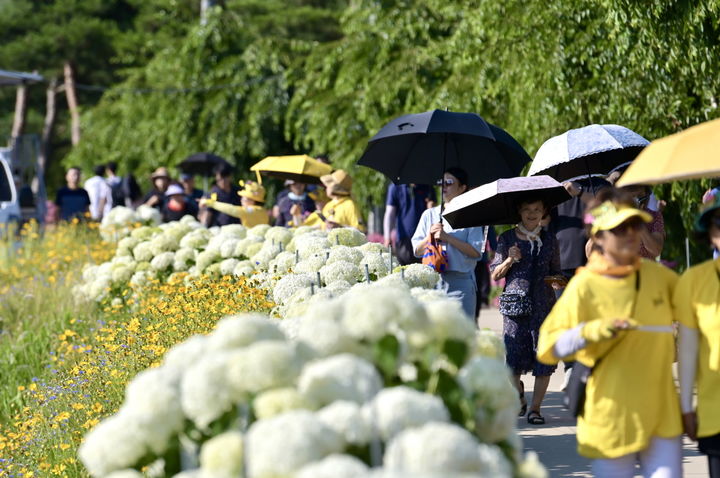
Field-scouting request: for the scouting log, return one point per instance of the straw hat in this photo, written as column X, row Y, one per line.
column 608, row 216
column 339, row 182
column 252, row 190
column 161, row 172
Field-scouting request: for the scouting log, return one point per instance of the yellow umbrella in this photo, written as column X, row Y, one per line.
column 690, row 154
column 301, row 168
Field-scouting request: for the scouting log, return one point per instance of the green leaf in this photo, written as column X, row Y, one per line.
column 386, row 353
column 456, row 351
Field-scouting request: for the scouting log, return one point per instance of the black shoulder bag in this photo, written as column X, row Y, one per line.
column 580, row 374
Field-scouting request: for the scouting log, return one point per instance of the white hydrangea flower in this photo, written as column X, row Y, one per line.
column 309, row 244
column 372, row 311
column 253, row 249
column 162, row 261
column 531, row 467
column 143, row 251
column 347, row 420
column 126, row 245
column 377, row 264
column 148, row 214
column 277, row 401
column 89, row 272
column 139, row 279
column 116, row 443
column 419, row 275
column 281, row 445
column 227, row 267
column 341, row 270
column 282, row 263
column 205, row 394
column 144, row 233
column 216, row 242
column 184, row 257
column 237, row 231
column 260, row 230
column 241, row 248
column 489, row 344
column 375, row 247
column 236, row 331
column 311, row 264
column 190, row 221
column 449, row 321
column 263, row 366
column 227, row 248
column 341, row 377
column 346, row 236
column 346, row 254
column 163, row 243
column 397, row 408
column 196, row 239
column 288, row 285
column 243, row 268
column 434, row 447
column 266, row 254
column 153, row 397
column 334, row 466
column 279, row 235
column 181, row 356
column 300, row 230
column 325, row 335
column 122, row 274
column 206, row 258
column 223, row 454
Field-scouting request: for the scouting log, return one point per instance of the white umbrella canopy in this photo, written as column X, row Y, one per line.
column 594, row 150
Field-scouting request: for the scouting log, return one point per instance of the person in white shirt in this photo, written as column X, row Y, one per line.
column 100, row 194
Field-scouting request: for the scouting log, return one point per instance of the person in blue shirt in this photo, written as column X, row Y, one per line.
column 462, row 246
column 404, row 205
column 72, row 200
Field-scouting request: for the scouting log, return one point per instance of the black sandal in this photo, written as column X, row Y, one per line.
column 534, row 418
column 523, row 402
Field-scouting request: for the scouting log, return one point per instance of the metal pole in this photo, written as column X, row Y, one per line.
column 687, row 252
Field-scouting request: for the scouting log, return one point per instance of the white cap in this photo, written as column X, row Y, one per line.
column 174, row 189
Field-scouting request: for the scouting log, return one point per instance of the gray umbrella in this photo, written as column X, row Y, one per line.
column 497, row 202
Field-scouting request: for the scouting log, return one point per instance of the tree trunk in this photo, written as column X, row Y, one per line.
column 72, row 102
column 48, row 126
column 20, row 110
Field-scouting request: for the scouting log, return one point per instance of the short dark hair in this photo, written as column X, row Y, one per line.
column 77, row 168
column 223, row 170
column 460, row 174
column 111, row 166
column 529, row 200
column 99, row 170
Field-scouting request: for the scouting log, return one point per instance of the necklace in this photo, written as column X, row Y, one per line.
column 533, row 236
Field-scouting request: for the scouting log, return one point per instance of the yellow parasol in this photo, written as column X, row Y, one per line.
column 690, row 154
column 301, row 168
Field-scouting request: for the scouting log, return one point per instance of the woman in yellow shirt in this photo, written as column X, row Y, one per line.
column 341, row 210
column 250, row 212
column 697, row 308
column 616, row 316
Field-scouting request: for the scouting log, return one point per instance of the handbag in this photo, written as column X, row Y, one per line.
column 575, row 391
column 434, row 255
column 515, row 304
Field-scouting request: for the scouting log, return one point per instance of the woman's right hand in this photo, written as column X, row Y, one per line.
column 514, row 253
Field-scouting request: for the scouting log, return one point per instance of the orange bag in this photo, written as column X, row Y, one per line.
column 434, row 255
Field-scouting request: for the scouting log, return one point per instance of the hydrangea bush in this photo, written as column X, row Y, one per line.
column 383, row 380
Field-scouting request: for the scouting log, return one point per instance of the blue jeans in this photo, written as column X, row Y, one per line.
column 463, row 284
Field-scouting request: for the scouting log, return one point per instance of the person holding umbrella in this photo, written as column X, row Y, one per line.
column 615, row 317
column 463, row 246
column 697, row 298
column 525, row 257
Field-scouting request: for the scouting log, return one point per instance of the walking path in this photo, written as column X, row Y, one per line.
column 555, row 442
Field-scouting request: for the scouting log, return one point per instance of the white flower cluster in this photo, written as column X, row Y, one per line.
column 121, row 220
column 295, row 397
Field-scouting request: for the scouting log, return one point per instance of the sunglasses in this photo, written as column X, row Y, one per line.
column 446, row 182
column 627, row 226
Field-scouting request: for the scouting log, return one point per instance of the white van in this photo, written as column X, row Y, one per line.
column 9, row 204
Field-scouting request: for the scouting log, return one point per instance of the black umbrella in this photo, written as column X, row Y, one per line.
column 497, row 202
column 418, row 148
column 202, row 164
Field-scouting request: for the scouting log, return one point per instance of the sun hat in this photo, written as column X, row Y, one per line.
column 161, row 172
column 339, row 182
column 702, row 220
column 252, row 190
column 609, row 215
column 174, row 189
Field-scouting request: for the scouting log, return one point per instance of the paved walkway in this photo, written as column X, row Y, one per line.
column 555, row 442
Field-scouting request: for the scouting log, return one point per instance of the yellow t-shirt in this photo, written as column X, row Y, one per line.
column 697, row 305
column 249, row 216
column 344, row 212
column 631, row 396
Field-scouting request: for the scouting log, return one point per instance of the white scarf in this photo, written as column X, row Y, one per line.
column 533, row 236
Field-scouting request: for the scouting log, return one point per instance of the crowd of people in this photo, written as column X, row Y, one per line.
column 585, row 276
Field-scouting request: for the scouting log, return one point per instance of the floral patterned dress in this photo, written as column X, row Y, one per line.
column 521, row 333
